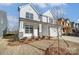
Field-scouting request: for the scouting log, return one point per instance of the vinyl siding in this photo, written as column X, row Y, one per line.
column 3, row 23
column 28, row 9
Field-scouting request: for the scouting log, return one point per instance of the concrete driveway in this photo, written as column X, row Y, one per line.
column 71, row 38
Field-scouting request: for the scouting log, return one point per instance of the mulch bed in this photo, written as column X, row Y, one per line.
column 14, row 43
column 20, row 42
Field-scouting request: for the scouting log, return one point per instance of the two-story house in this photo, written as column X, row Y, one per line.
column 73, row 25
column 77, row 26
column 31, row 23
column 3, row 23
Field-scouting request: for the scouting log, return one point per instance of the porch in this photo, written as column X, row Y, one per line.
column 31, row 28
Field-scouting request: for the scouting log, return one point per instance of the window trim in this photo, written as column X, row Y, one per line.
column 30, row 15
column 50, row 20
column 30, row 29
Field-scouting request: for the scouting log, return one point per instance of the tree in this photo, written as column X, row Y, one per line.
column 58, row 12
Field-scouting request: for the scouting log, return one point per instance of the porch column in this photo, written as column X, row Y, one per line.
column 35, row 30
column 40, row 30
column 21, row 25
column 21, row 30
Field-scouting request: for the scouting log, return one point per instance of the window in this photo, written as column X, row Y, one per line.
column 63, row 30
column 62, row 23
column 28, row 29
column 50, row 20
column 40, row 17
column 29, row 15
column 68, row 24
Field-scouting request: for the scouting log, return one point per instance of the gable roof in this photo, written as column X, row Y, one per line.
column 67, row 20
column 47, row 11
column 31, row 6
column 61, row 19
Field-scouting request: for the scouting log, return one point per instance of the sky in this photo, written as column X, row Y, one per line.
column 70, row 11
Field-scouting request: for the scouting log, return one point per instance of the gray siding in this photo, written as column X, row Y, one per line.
column 3, row 23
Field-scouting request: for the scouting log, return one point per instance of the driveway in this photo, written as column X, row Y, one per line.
column 71, row 38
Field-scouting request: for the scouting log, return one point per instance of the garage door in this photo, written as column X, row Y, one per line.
column 53, row 32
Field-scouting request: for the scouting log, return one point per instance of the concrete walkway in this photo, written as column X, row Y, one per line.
column 71, row 38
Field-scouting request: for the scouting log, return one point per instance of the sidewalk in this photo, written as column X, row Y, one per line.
column 71, row 38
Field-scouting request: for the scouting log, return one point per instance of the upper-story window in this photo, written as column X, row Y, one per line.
column 29, row 15
column 50, row 20
column 40, row 17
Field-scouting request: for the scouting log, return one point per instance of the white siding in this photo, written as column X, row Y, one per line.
column 47, row 13
column 22, row 29
column 53, row 30
column 29, row 9
column 35, row 30
column 45, row 30
column 44, row 19
column 21, row 26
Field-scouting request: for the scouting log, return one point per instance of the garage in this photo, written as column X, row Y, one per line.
column 53, row 31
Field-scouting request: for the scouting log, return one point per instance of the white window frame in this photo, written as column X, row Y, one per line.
column 29, row 15
column 29, row 29
column 50, row 20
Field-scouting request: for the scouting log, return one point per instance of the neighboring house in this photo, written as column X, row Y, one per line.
column 77, row 26
column 73, row 26
column 33, row 24
column 3, row 23
column 66, row 24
